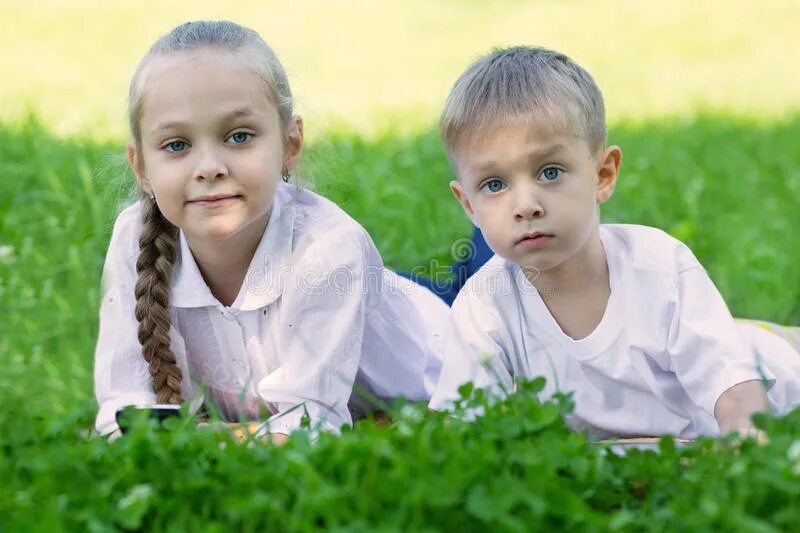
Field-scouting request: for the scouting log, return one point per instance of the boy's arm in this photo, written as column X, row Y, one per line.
column 735, row 408
column 716, row 367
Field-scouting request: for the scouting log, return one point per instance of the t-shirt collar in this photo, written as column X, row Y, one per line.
column 539, row 319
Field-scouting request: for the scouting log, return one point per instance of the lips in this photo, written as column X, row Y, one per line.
column 534, row 240
column 214, row 200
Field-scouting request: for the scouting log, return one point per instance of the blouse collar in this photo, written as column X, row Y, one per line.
column 266, row 275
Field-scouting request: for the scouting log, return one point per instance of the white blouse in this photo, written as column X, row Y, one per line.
column 317, row 318
column 662, row 354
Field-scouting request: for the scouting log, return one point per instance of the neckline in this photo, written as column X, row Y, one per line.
column 539, row 319
column 262, row 284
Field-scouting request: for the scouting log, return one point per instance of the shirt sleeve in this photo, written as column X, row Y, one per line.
column 705, row 350
column 472, row 352
column 321, row 331
column 121, row 376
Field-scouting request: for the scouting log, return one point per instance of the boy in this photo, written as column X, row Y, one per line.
column 622, row 316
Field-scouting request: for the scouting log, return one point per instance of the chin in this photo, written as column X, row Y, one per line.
column 220, row 233
column 541, row 265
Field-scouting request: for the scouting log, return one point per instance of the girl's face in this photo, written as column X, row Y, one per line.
column 212, row 145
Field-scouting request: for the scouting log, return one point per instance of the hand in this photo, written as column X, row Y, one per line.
column 752, row 431
column 735, row 407
column 243, row 432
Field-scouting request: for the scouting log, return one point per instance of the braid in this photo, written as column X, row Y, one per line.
column 154, row 266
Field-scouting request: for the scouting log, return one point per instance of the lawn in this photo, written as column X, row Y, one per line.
column 705, row 106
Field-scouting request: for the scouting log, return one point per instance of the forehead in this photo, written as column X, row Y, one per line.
column 536, row 124
column 505, row 139
column 193, row 86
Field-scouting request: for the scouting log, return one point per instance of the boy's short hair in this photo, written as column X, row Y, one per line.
column 522, row 81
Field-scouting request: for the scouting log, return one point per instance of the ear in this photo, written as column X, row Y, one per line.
column 458, row 192
column 294, row 143
column 135, row 161
column 609, row 162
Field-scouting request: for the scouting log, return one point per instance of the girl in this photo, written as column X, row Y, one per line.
column 222, row 282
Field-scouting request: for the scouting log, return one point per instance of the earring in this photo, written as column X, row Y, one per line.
column 286, row 176
column 152, row 196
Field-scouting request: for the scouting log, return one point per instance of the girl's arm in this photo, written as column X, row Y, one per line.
column 245, row 430
column 121, row 376
column 321, row 320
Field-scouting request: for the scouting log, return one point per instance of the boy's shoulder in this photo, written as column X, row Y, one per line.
column 493, row 282
column 646, row 248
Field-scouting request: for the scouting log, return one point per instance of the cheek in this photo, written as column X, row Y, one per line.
column 481, row 209
column 580, row 214
column 268, row 192
column 170, row 210
column 166, row 185
column 579, row 203
column 492, row 218
column 266, row 165
column 262, row 187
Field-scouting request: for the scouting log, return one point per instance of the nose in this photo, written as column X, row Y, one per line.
column 210, row 165
column 528, row 205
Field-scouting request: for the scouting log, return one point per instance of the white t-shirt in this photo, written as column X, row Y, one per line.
column 664, row 351
column 317, row 313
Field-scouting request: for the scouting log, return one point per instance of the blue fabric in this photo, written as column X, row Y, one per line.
column 477, row 255
column 478, row 252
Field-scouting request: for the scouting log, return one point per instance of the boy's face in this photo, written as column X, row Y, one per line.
column 533, row 191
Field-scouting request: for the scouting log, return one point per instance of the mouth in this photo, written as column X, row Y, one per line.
column 534, row 240
column 212, row 200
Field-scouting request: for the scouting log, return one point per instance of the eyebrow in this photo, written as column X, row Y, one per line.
column 239, row 113
column 547, row 152
column 534, row 155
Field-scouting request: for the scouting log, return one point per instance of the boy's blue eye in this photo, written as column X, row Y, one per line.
column 494, row 185
column 175, row 146
column 551, row 174
column 240, row 137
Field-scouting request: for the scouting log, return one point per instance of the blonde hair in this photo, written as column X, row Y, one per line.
column 528, row 83
column 158, row 239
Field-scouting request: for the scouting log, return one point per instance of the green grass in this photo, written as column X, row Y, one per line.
column 517, row 468
column 705, row 104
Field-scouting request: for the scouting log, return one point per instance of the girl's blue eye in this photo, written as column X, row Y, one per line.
column 494, row 185
column 551, row 174
column 240, row 137
column 175, row 146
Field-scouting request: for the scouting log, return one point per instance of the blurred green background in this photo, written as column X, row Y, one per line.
column 702, row 95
